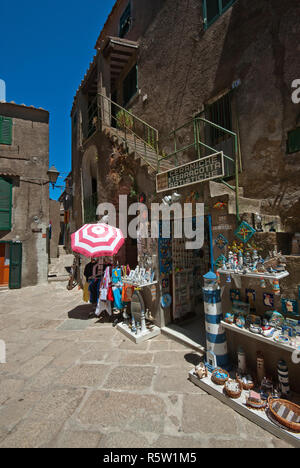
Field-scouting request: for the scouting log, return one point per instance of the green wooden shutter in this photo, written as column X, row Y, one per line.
column 5, row 130
column 15, row 270
column 5, row 204
column 293, row 144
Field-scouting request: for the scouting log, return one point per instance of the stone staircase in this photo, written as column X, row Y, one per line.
column 137, row 148
column 247, row 206
column 59, row 267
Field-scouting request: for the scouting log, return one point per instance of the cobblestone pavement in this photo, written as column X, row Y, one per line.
column 73, row 382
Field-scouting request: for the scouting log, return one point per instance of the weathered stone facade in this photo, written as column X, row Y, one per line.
column 248, row 59
column 182, row 68
column 26, row 162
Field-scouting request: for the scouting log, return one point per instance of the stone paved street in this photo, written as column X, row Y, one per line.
column 73, row 382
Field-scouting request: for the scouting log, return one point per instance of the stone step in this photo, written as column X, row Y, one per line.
column 136, row 148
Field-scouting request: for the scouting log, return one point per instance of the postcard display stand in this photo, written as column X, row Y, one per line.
column 239, row 404
column 187, row 279
column 139, row 327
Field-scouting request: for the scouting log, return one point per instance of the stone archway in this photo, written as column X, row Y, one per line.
column 90, row 171
column 90, row 183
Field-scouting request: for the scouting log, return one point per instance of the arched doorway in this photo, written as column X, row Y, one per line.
column 90, row 184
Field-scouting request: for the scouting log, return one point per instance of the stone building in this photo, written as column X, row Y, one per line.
column 196, row 77
column 24, row 195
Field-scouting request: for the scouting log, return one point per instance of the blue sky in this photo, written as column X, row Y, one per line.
column 46, row 48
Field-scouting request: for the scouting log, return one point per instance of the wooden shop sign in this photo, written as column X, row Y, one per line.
column 204, row 169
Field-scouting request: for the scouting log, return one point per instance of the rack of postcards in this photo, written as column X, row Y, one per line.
column 183, row 280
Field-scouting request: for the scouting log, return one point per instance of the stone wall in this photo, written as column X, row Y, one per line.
column 182, row 67
column 28, row 159
column 55, row 219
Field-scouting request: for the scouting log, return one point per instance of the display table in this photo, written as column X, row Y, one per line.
column 258, row 417
column 139, row 286
column 151, row 331
column 141, row 337
column 249, row 334
column 270, row 276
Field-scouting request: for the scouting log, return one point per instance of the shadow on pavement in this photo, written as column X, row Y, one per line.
column 193, row 358
column 82, row 312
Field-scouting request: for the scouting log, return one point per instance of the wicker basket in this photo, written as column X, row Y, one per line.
column 261, row 406
column 231, row 394
column 218, row 381
column 293, row 426
column 245, row 386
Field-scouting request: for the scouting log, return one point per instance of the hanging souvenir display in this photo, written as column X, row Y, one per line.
column 268, row 300
column 290, row 307
column 220, row 205
column 276, row 288
column 251, row 297
column 221, row 242
column 235, row 295
column 244, row 232
column 153, row 293
column 127, row 292
column 263, row 283
column 166, row 301
column 219, row 261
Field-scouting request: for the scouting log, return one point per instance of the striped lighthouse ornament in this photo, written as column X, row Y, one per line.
column 216, row 342
column 283, row 377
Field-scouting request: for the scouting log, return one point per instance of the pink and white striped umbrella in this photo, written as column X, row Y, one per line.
column 97, row 240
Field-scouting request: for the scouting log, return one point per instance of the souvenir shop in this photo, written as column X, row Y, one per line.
column 250, row 317
column 252, row 335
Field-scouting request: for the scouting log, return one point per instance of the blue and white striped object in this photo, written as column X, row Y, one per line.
column 216, row 341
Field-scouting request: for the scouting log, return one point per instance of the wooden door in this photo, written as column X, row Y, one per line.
column 4, row 264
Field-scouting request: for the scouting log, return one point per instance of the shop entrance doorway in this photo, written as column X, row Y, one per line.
column 186, row 282
column 4, row 264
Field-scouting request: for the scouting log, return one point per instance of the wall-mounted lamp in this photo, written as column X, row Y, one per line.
column 53, row 175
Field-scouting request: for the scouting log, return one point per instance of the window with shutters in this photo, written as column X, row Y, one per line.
column 5, row 204
column 5, row 130
column 293, row 141
column 212, row 9
column 125, row 21
column 130, row 85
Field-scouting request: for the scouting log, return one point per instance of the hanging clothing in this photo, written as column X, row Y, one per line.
column 103, row 302
column 102, row 307
column 117, row 276
column 127, row 293
column 117, row 292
